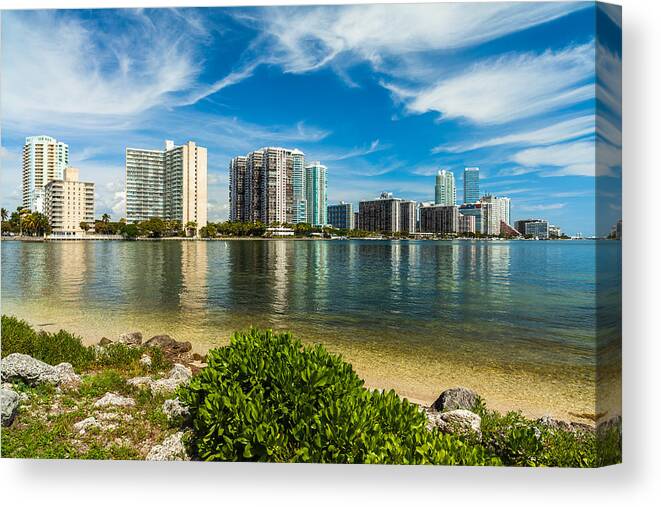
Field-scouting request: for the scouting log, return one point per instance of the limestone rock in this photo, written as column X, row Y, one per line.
column 104, row 341
column 140, row 382
column 9, row 403
column 456, row 398
column 459, row 422
column 115, row 400
column 174, row 409
column 180, row 372
column 134, row 338
column 33, row 372
column 145, row 360
column 81, row 427
column 172, row 449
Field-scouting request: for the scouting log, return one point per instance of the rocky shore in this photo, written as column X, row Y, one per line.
column 133, row 412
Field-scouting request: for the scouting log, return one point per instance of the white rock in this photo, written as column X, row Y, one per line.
column 32, row 371
column 82, row 426
column 457, row 421
column 180, row 372
column 140, row 381
column 115, row 400
column 145, row 360
column 9, row 401
column 174, row 408
column 172, row 449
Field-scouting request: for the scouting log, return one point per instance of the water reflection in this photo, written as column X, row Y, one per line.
column 525, row 299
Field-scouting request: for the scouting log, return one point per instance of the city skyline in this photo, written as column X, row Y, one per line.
column 533, row 150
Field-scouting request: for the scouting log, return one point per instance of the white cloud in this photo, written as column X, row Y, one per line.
column 565, row 130
column 516, row 171
column 60, row 70
column 569, row 159
column 338, row 155
column 542, row 207
column 314, row 37
column 510, row 87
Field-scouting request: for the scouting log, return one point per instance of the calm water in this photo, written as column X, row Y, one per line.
column 506, row 317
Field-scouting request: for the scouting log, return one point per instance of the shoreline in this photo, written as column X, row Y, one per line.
column 520, row 390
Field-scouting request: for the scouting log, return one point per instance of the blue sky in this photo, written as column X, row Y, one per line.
column 384, row 95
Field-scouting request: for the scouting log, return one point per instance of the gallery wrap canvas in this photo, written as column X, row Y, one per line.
column 352, row 234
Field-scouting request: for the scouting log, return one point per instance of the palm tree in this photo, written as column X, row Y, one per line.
column 84, row 226
column 3, row 214
column 191, row 228
column 105, row 218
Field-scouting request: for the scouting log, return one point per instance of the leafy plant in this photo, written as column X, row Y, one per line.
column 265, row 397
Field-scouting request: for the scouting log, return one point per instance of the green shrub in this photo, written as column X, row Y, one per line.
column 265, row 397
column 51, row 348
column 519, row 441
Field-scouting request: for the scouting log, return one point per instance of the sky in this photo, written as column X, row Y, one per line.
column 383, row 95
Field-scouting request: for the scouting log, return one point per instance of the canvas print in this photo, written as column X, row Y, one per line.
column 355, row 234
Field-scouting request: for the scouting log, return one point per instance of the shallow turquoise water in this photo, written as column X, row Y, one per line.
column 505, row 304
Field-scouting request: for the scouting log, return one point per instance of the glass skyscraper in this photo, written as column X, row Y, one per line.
column 316, row 193
column 445, row 189
column 471, row 184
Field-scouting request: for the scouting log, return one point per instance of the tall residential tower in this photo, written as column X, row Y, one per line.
column 316, row 193
column 445, row 189
column 44, row 160
column 170, row 184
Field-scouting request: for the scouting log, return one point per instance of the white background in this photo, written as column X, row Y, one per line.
column 636, row 482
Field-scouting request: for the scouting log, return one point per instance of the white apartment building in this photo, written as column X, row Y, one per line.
column 170, row 184
column 68, row 202
column 44, row 159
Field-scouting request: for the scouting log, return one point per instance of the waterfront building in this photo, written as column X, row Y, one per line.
column 465, row 223
column 44, row 159
column 503, row 206
column 554, row 231
column 439, row 219
column 238, row 211
column 471, row 184
column 170, row 184
column 473, row 210
column 299, row 196
column 535, row 227
column 385, row 215
column 445, row 190
column 275, row 187
column 490, row 218
column 356, row 220
column 68, row 202
column 341, row 216
column 316, row 192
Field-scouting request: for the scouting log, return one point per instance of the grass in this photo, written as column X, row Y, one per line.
column 54, row 348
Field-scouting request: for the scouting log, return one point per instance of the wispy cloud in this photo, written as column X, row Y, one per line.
column 339, row 154
column 366, row 33
column 542, row 207
column 60, row 70
column 509, row 87
column 558, row 132
column 567, row 159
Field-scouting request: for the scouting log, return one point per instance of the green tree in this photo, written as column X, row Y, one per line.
column 84, row 226
column 3, row 214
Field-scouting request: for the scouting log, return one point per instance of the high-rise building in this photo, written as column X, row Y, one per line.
column 465, row 223
column 68, row 202
column 445, row 190
column 341, row 216
column 316, row 192
column 439, row 219
column 170, row 184
column 387, row 214
column 490, row 218
column 503, row 206
column 299, row 195
column 535, row 227
column 238, row 206
column 44, row 159
column 471, row 184
column 473, row 210
column 274, row 185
